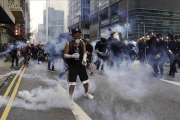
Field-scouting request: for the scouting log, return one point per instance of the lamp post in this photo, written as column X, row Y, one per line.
column 145, row 40
column 127, row 18
column 47, row 20
column 138, row 31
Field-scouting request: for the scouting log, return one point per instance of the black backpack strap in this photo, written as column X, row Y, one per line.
column 70, row 47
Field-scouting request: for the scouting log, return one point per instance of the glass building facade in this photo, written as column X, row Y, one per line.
column 114, row 12
column 79, row 16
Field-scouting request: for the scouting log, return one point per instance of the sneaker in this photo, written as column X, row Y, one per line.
column 91, row 74
column 12, row 67
column 161, row 77
column 52, row 71
column 88, row 95
column 49, row 69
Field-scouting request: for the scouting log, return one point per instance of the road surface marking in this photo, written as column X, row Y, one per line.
column 172, row 82
column 77, row 111
column 10, row 86
column 8, row 107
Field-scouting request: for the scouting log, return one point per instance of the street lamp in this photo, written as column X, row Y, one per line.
column 127, row 18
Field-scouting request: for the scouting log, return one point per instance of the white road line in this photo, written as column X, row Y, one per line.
column 77, row 111
column 1, row 76
column 172, row 82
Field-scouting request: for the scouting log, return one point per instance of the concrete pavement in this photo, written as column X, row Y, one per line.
column 119, row 95
column 5, row 69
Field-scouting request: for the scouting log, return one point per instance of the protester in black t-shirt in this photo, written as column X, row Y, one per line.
column 89, row 49
column 75, row 52
column 101, row 49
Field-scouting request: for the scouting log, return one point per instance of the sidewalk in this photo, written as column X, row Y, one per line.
column 5, row 68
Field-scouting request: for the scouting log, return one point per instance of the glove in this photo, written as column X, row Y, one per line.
column 75, row 55
column 157, row 56
column 88, row 53
column 104, row 54
column 84, row 62
column 170, row 52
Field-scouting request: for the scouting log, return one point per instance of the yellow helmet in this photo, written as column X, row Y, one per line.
column 167, row 38
column 143, row 37
column 140, row 38
column 147, row 38
column 40, row 44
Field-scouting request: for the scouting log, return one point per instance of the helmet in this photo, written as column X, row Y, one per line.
column 104, row 35
column 151, row 33
column 133, row 43
column 176, row 37
column 143, row 37
column 116, row 36
column 158, row 35
column 140, row 38
column 148, row 38
column 40, row 44
column 171, row 36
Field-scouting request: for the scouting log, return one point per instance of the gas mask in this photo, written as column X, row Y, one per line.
column 77, row 40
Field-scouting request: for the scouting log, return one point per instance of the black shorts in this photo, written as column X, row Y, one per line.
column 89, row 57
column 75, row 70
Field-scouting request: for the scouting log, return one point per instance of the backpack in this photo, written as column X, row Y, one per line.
column 24, row 50
column 40, row 53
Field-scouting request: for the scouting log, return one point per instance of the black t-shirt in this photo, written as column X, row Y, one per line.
column 74, row 49
column 89, row 48
column 100, row 48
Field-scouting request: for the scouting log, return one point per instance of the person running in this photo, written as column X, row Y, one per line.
column 89, row 49
column 75, row 52
column 101, row 49
column 40, row 53
column 13, row 54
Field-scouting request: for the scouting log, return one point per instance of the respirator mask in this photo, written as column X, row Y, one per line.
column 77, row 40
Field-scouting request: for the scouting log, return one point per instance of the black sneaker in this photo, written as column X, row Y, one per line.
column 12, row 67
column 49, row 69
column 173, row 75
column 155, row 75
column 91, row 74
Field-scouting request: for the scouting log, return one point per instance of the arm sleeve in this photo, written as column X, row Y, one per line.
column 67, row 56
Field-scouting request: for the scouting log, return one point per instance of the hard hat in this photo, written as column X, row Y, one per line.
column 140, row 38
column 167, row 37
column 133, row 43
column 147, row 38
column 104, row 35
column 41, row 44
column 143, row 37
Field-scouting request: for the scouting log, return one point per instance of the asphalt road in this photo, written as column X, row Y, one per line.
column 125, row 94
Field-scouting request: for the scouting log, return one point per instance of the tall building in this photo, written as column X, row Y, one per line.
column 79, row 16
column 55, row 22
column 14, row 16
column 161, row 16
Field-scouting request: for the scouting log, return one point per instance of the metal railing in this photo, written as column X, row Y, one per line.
column 4, row 5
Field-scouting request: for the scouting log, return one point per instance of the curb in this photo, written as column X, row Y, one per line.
column 2, row 80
